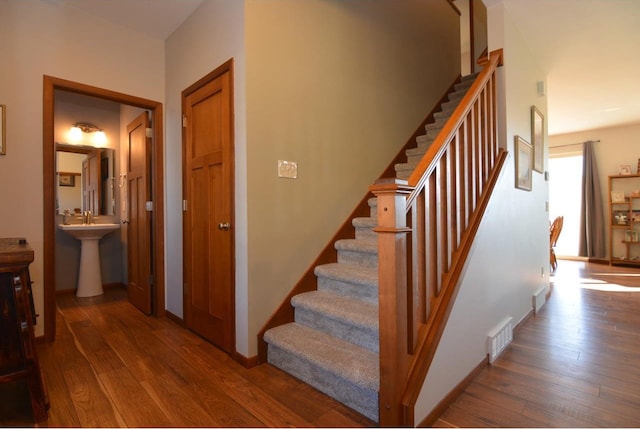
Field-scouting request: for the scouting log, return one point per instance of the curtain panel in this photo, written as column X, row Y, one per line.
column 592, row 240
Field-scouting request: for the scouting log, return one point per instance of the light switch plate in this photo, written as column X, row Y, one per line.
column 287, row 169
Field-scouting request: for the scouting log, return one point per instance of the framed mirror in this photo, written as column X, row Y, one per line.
column 85, row 179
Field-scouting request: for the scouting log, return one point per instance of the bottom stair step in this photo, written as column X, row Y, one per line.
column 344, row 371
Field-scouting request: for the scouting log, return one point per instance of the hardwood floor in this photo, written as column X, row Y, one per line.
column 111, row 366
column 574, row 364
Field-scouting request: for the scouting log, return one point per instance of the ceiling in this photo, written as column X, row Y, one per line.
column 590, row 52
column 588, row 48
column 155, row 18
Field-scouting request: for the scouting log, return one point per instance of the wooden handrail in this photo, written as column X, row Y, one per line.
column 426, row 227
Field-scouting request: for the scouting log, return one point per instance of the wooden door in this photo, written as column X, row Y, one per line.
column 139, row 245
column 208, row 212
column 91, row 182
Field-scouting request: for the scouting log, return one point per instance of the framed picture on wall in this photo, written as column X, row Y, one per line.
column 66, row 179
column 524, row 163
column 537, row 138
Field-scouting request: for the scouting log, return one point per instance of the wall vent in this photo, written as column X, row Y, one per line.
column 539, row 298
column 499, row 338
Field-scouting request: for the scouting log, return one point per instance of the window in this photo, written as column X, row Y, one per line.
column 565, row 189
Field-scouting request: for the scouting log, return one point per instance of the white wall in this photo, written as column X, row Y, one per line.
column 45, row 37
column 617, row 145
column 213, row 34
column 512, row 245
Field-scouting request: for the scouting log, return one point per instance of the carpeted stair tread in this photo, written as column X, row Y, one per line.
column 443, row 115
column 351, row 280
column 348, row 361
column 357, row 245
column 420, row 150
column 466, row 81
column 344, row 371
column 364, row 227
column 364, row 222
column 346, row 318
column 433, row 132
column 451, row 105
column 355, row 274
column 358, row 251
column 373, row 207
column 404, row 174
column 434, row 126
column 354, row 311
column 422, row 140
column 406, row 167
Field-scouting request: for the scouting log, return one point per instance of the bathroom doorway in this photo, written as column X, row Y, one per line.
column 155, row 155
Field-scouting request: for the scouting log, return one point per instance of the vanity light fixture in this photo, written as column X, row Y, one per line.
column 75, row 133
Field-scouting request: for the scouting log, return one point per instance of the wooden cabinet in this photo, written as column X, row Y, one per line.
column 18, row 354
column 624, row 220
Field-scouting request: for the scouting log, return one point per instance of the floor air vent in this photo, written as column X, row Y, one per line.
column 539, row 298
column 499, row 338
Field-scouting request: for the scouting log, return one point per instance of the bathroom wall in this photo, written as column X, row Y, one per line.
column 70, row 108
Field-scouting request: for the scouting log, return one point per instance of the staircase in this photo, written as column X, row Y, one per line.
column 333, row 344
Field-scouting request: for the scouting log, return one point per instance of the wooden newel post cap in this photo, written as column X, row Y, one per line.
column 391, row 185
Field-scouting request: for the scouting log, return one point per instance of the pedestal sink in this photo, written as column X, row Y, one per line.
column 89, row 278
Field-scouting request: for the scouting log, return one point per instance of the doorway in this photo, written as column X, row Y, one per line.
column 208, row 189
column 50, row 85
column 565, row 190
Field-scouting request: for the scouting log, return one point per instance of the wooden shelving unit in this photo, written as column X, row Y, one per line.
column 624, row 220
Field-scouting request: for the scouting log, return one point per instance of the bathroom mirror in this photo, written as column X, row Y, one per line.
column 85, row 179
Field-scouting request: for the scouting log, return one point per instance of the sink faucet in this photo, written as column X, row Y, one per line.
column 87, row 218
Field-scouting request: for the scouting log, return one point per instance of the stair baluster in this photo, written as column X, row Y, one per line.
column 426, row 228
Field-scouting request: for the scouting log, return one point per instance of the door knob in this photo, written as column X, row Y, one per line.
column 224, row 226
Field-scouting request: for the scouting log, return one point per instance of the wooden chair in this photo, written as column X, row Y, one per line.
column 554, row 233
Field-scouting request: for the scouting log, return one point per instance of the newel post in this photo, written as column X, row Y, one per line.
column 392, row 292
